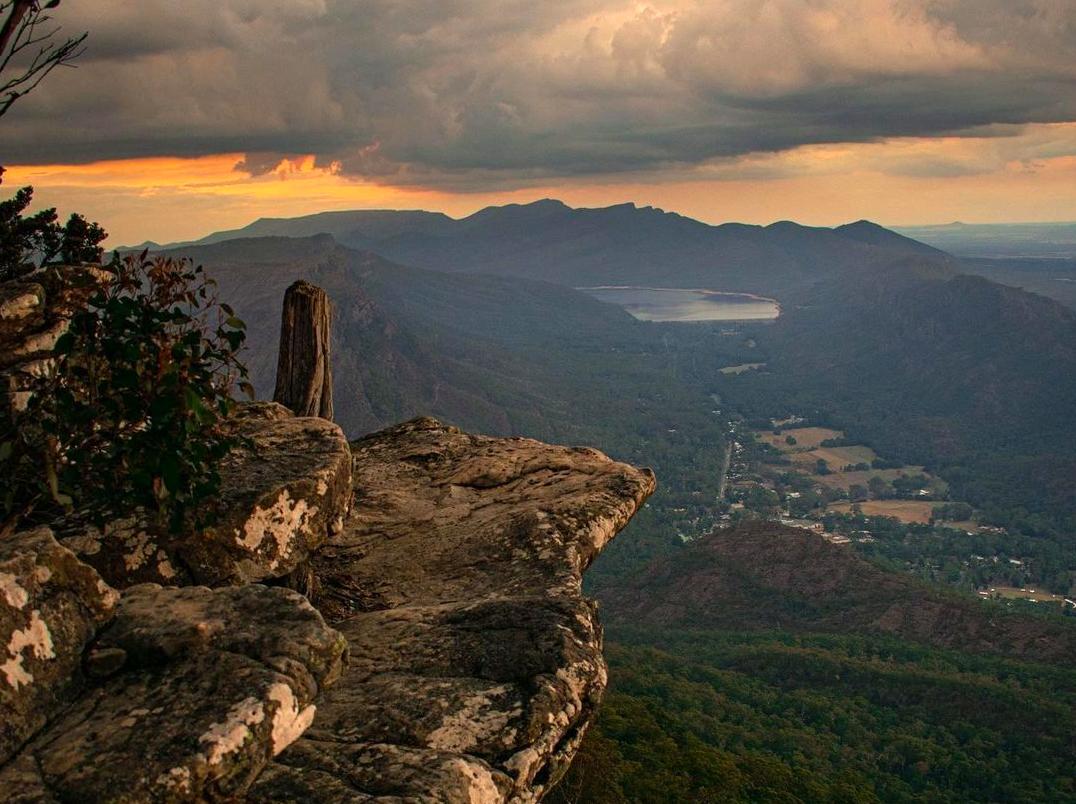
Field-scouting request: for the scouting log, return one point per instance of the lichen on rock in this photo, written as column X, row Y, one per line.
column 476, row 661
column 51, row 605
column 448, row 566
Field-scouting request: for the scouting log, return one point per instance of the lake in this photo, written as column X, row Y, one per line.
column 679, row 304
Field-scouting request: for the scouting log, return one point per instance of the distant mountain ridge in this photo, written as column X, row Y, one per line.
column 1000, row 240
column 550, row 241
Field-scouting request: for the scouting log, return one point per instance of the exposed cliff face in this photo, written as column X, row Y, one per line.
column 476, row 660
column 448, row 568
column 34, row 312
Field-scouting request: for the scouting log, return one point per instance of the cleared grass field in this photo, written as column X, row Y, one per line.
column 742, row 368
column 835, row 457
column 908, row 511
column 807, row 438
column 1012, row 593
column 968, row 526
column 845, row 480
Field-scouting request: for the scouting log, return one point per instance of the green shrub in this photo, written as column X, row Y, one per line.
column 133, row 413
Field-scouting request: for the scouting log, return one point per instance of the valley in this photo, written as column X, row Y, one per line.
column 814, row 478
column 841, row 493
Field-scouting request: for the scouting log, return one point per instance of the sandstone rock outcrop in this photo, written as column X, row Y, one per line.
column 208, row 685
column 447, row 565
column 51, row 605
column 34, row 312
column 22, row 309
column 284, row 491
column 476, row 660
column 283, row 494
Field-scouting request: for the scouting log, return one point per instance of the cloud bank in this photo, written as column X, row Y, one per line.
column 481, row 94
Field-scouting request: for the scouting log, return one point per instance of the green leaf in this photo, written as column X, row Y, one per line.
column 170, row 472
column 64, row 344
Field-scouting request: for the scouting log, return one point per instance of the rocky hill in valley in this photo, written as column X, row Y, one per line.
column 764, row 576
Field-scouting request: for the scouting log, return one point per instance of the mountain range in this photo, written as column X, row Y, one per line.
column 624, row 244
column 476, row 320
column 758, row 663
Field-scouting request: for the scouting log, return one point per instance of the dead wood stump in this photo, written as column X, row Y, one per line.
column 304, row 378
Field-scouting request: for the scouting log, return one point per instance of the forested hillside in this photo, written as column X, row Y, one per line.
column 762, row 664
column 720, row 716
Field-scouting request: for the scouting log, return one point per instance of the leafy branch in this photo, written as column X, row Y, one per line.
column 31, row 46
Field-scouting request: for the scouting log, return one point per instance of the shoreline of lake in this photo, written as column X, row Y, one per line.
column 694, row 304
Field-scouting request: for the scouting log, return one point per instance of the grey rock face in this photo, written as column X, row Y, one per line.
column 34, row 312
column 22, row 309
column 51, row 605
column 212, row 684
column 476, row 660
column 282, row 496
column 284, row 491
column 454, row 582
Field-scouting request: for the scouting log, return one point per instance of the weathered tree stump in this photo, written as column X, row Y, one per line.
column 304, row 378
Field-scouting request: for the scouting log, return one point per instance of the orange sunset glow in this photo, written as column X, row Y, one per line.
column 983, row 179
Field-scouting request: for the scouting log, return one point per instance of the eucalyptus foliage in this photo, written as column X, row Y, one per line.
column 133, row 413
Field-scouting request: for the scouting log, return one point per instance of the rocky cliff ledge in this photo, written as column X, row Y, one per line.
column 34, row 312
column 446, row 652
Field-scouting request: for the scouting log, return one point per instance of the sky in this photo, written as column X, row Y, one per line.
column 185, row 118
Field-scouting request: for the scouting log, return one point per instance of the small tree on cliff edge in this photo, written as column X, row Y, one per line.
column 39, row 238
column 133, row 412
column 30, row 48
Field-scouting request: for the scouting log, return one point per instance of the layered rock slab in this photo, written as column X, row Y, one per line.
column 204, row 687
column 35, row 310
column 51, row 605
column 476, row 661
column 285, row 489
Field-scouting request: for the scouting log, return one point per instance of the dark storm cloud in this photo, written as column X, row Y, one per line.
column 482, row 93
